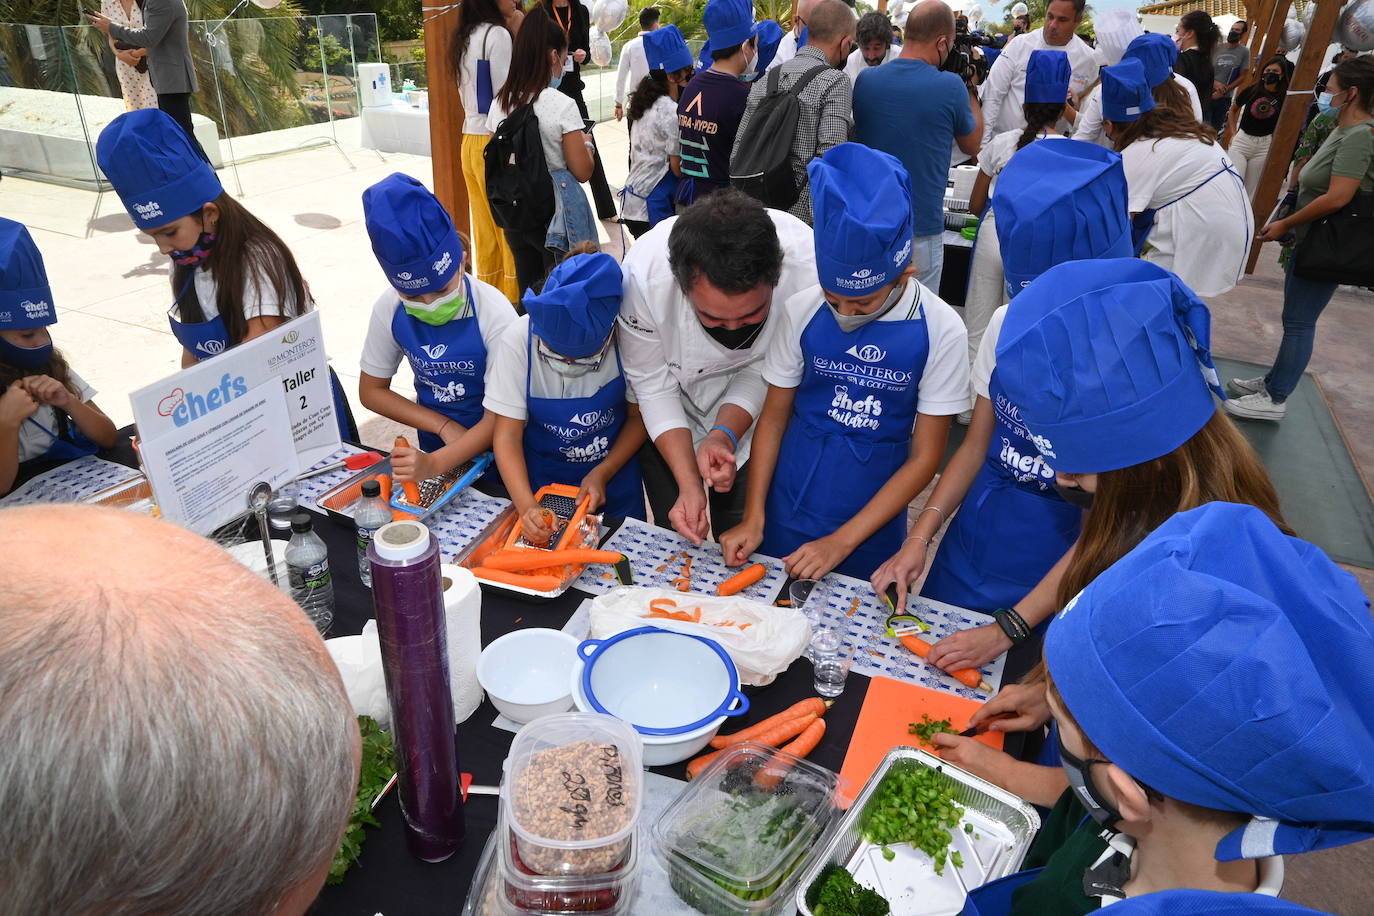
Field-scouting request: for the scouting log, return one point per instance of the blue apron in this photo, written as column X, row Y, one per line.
column 1011, row 527
column 77, row 446
column 449, row 362
column 566, row 437
column 994, row 898
column 850, row 430
column 658, row 202
column 1143, row 223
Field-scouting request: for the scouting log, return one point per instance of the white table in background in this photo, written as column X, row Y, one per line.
column 396, row 128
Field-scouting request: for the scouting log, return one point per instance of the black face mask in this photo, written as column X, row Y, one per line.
column 1074, row 496
column 1271, row 79
column 740, row 338
column 1233, row 37
column 1079, row 772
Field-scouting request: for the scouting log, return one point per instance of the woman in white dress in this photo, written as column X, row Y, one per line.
column 130, row 65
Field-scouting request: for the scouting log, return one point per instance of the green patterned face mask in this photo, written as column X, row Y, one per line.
column 438, row 312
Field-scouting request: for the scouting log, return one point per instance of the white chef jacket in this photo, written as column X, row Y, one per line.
column 787, row 49
column 681, row 376
column 856, row 64
column 1005, row 90
column 634, row 66
column 1089, row 126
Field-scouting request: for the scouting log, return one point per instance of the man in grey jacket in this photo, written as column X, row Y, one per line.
column 166, row 36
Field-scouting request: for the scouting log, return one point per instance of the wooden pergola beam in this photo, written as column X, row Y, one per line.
column 1291, row 118
column 445, row 111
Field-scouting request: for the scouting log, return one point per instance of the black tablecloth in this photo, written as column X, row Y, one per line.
column 387, row 879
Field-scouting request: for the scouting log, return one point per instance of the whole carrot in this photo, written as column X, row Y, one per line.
column 411, row 488
column 742, row 579
column 813, row 706
column 770, row 776
column 970, row 677
column 698, row 764
column 782, row 731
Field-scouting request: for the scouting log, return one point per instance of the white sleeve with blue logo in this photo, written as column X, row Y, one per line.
column 986, row 360
column 944, row 384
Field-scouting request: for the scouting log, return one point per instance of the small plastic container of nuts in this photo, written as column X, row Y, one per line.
column 572, row 793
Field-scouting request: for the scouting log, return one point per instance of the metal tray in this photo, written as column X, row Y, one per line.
column 343, row 514
column 493, row 538
column 1003, row 827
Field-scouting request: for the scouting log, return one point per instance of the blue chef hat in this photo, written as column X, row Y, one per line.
column 25, row 298
column 412, row 235
column 861, row 199
column 1110, row 363
column 158, row 175
column 1156, row 53
column 1226, row 664
column 666, row 49
column 1064, row 200
column 770, row 36
column 577, row 308
column 1209, row 903
column 1047, row 76
column 1125, row 93
column 728, row 22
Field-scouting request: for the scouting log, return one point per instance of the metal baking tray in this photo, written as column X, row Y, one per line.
column 445, row 483
column 493, row 538
column 1003, row 827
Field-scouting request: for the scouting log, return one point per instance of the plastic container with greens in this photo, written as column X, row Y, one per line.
column 736, row 839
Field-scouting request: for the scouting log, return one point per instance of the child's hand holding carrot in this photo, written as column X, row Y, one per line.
column 537, row 525
column 411, row 464
column 593, row 488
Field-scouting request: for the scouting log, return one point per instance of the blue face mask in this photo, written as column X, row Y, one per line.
column 554, row 81
column 1324, row 103
column 25, row 357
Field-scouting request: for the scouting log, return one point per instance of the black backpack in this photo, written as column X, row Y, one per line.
column 519, row 187
column 763, row 167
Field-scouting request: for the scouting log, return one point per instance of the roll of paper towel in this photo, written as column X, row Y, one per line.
column 374, row 85
column 463, row 612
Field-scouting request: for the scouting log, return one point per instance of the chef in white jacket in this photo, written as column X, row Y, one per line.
column 694, row 329
column 1005, row 89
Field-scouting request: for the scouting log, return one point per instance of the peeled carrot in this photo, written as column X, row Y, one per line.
column 769, row 777
column 348, row 497
column 813, row 706
column 505, row 577
column 385, row 481
column 411, row 488
column 970, row 677
column 742, row 579
column 515, row 560
column 782, row 731
column 695, row 767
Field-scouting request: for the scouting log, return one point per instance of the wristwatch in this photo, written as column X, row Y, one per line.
column 1012, row 624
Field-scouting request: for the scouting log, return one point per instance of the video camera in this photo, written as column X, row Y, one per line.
column 971, row 66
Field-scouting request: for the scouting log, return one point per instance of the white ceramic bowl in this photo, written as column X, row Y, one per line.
column 660, row 681
column 526, row 673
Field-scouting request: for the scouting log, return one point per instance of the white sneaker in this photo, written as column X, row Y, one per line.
column 1257, row 406
column 1240, row 387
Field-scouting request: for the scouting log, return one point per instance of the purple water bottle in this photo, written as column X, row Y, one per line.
column 407, row 594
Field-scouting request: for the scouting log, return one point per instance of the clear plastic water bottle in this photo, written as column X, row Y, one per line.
column 372, row 513
column 307, row 570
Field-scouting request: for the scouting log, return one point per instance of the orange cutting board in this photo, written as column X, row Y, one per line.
column 889, row 708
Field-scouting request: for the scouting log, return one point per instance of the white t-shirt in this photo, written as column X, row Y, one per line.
column 1204, row 237
column 34, row 442
column 382, row 355
column 259, row 298
column 654, row 139
column 632, row 69
column 943, row 386
column 856, row 63
column 492, row 43
column 787, row 49
column 1089, row 125
column 1005, row 89
column 986, row 360
column 505, row 382
column 681, row 376
column 557, row 116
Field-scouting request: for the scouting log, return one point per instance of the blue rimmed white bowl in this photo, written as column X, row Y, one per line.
column 675, row 689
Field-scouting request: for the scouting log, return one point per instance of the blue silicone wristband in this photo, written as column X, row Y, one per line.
column 729, row 434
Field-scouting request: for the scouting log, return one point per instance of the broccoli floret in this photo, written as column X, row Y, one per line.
column 836, row 893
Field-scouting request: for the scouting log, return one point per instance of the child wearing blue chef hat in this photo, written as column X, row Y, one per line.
column 1067, row 202
column 233, row 278
column 713, row 102
column 564, row 413
column 1157, row 53
column 1183, row 185
column 1108, row 364
column 46, row 411
column 439, row 319
column 647, row 197
column 1211, row 689
column 863, row 382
